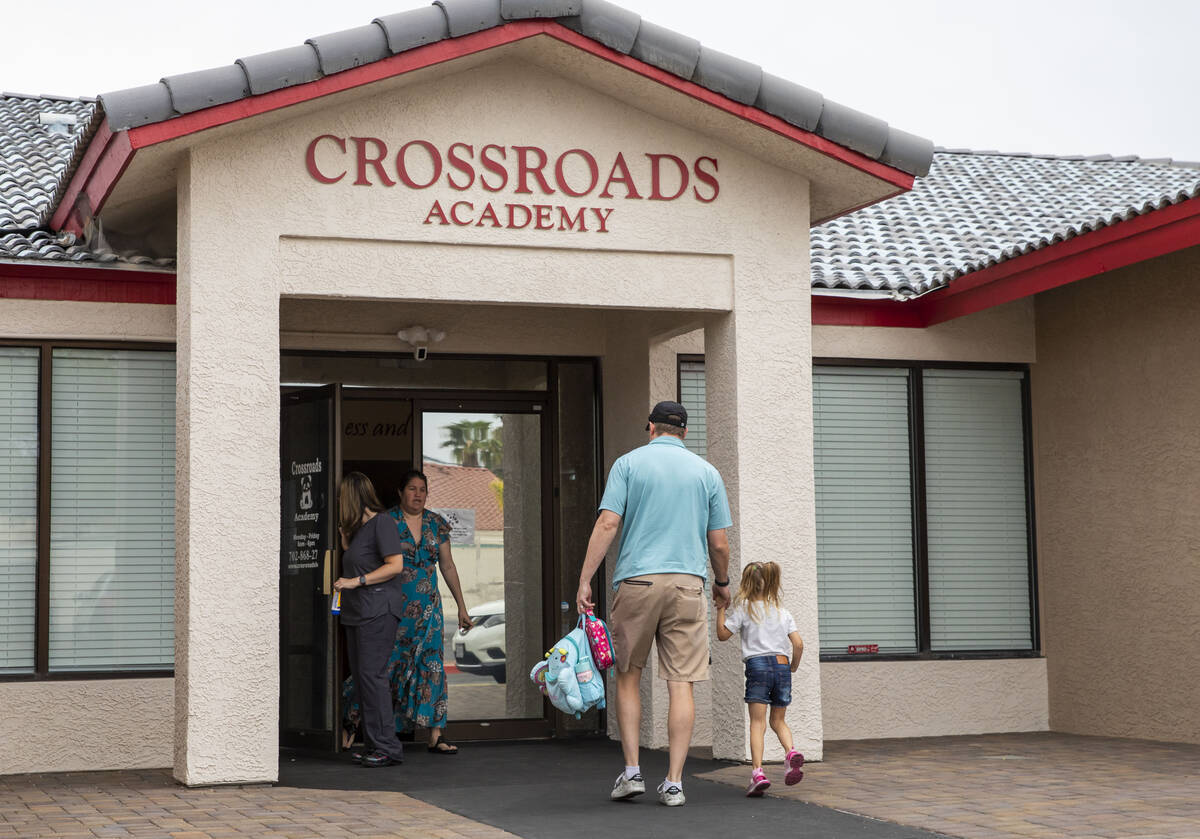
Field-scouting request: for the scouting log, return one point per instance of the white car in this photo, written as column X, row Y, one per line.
column 480, row 649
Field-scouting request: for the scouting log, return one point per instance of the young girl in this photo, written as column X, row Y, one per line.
column 771, row 649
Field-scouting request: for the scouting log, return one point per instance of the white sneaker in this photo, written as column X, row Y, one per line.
column 627, row 787
column 671, row 795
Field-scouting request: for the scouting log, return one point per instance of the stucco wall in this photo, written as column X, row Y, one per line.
column 660, row 265
column 1116, row 402
column 49, row 319
column 863, row 700
column 78, row 726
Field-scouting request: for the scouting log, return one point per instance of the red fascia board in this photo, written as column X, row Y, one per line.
column 87, row 285
column 107, row 157
column 847, row 311
column 1128, row 242
column 105, row 176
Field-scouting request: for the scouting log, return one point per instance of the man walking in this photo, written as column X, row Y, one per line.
column 674, row 510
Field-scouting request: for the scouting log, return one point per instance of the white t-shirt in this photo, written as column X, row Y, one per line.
column 766, row 636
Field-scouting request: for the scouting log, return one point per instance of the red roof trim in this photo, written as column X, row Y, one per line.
column 84, row 284
column 108, row 155
column 1144, row 237
column 846, row 311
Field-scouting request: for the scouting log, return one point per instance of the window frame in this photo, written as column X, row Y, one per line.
column 916, row 440
column 41, row 645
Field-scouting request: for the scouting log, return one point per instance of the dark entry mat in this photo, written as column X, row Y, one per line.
column 559, row 788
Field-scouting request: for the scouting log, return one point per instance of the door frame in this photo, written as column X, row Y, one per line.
column 540, row 403
column 318, row 740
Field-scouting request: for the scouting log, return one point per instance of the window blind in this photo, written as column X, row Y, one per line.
column 692, row 396
column 18, row 507
column 112, row 521
column 864, row 509
column 976, row 511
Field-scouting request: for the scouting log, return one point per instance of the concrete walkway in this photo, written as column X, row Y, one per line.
column 987, row 787
column 1003, row 786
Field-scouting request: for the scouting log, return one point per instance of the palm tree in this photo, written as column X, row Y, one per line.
column 474, row 443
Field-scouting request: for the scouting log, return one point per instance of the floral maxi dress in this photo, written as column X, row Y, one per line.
column 415, row 672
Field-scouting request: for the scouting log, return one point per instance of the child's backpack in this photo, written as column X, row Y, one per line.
column 568, row 676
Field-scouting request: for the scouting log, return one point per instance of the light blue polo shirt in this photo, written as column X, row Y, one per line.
column 668, row 499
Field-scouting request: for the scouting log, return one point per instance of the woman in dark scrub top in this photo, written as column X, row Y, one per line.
column 372, row 603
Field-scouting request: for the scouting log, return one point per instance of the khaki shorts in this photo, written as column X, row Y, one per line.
column 670, row 609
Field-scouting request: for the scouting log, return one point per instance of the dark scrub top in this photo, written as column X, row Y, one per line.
column 371, row 543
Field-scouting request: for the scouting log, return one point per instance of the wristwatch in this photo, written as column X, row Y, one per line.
column 721, row 583
column 362, row 580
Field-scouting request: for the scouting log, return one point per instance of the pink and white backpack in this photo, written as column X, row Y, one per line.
column 599, row 640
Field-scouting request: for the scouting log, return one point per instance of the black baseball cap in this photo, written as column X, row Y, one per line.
column 672, row 413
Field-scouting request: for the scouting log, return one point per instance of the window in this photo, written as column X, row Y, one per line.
column 88, row 585
column 863, row 475
column 923, row 526
column 923, row 506
column 691, row 397
column 18, row 506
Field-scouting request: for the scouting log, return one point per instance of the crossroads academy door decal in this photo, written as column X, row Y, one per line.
column 571, row 174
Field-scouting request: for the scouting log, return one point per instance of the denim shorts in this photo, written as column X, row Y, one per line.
column 768, row 682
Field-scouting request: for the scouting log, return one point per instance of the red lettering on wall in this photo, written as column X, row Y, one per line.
column 620, row 165
column 656, row 193
column 402, row 164
column 461, row 164
column 561, row 178
column 437, row 212
column 602, row 215
column 310, row 159
column 705, row 177
column 524, row 170
column 512, row 213
column 567, row 222
column 493, row 166
column 543, row 217
column 365, row 160
column 454, row 212
column 488, row 214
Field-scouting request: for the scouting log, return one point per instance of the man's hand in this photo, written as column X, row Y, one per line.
column 721, row 598
column 583, row 598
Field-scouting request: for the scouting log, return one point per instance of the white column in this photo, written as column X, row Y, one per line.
column 227, row 493
column 758, row 367
column 626, row 404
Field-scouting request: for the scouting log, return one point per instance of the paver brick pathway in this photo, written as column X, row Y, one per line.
column 149, row 804
column 1002, row 786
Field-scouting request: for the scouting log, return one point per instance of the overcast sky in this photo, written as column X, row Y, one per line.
column 1058, row 76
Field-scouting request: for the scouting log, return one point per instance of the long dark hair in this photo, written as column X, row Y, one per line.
column 356, row 495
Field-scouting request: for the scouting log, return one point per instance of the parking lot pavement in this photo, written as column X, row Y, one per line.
column 1002, row 786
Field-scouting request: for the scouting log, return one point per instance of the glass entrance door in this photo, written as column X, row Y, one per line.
column 308, row 479
column 486, row 477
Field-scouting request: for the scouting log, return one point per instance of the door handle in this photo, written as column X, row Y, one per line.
column 327, row 586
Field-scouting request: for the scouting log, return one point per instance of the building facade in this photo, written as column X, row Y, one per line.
column 492, row 228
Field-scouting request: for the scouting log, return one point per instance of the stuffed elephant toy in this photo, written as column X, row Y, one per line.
column 572, row 681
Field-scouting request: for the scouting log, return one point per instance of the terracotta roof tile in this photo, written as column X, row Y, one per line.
column 465, row 488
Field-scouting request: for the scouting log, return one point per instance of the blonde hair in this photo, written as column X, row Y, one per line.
column 356, row 495
column 760, row 582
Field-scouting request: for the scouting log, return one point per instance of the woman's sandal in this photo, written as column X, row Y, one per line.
column 437, row 750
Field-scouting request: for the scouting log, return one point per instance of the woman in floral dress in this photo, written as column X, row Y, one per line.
column 417, row 677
